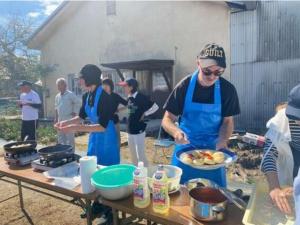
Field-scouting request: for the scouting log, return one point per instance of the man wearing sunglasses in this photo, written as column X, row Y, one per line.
column 204, row 103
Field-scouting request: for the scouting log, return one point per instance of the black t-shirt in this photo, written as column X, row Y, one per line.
column 105, row 109
column 137, row 106
column 116, row 101
column 229, row 97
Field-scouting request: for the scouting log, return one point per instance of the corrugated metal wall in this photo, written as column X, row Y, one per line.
column 265, row 57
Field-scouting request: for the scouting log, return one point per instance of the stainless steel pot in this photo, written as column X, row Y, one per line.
column 207, row 204
column 116, row 193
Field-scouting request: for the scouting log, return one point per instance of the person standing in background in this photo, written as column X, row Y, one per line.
column 108, row 87
column 138, row 106
column 67, row 106
column 30, row 103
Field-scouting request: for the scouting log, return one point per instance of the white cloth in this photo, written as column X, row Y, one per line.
column 297, row 197
column 136, row 144
column 66, row 139
column 66, row 104
column 280, row 135
column 28, row 112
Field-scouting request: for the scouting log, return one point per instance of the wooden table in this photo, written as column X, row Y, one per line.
column 179, row 213
column 37, row 179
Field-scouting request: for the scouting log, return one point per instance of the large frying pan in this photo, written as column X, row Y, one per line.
column 55, row 151
column 19, row 146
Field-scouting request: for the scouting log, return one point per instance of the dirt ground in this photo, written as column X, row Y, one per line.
column 44, row 210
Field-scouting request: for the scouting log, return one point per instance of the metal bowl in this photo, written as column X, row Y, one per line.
column 114, row 182
column 116, row 193
column 173, row 173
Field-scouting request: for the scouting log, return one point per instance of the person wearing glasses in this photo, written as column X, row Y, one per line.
column 204, row 104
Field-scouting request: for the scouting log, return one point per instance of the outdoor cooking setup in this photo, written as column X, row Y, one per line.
column 20, row 153
column 23, row 153
column 54, row 156
column 204, row 200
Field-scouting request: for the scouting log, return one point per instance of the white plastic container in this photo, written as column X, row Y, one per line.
column 141, row 193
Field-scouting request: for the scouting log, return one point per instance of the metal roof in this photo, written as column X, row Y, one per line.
column 149, row 64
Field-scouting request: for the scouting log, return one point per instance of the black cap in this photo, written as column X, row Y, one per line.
column 293, row 107
column 131, row 82
column 215, row 53
column 91, row 74
column 24, row 83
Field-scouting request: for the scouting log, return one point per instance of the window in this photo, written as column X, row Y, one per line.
column 73, row 84
column 111, row 8
column 158, row 81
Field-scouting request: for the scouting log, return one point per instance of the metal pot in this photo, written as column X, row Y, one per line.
column 207, row 204
column 116, row 193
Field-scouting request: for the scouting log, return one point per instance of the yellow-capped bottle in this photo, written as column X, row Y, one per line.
column 160, row 193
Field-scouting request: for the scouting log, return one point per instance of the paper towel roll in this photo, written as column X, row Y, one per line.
column 88, row 165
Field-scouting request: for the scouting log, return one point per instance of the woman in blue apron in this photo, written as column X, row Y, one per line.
column 205, row 122
column 96, row 106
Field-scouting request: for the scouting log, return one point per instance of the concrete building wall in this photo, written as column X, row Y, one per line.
column 139, row 30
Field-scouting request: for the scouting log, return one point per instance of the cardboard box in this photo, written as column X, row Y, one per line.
column 254, row 139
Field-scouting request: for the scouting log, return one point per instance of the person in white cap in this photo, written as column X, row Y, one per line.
column 30, row 103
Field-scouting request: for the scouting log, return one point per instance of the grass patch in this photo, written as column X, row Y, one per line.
column 10, row 130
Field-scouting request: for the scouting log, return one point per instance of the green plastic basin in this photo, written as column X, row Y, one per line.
column 115, row 176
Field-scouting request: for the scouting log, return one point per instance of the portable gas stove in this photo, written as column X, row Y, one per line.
column 54, row 156
column 21, row 159
column 20, row 153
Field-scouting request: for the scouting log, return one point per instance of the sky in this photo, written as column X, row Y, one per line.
column 38, row 11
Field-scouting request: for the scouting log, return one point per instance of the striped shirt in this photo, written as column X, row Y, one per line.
column 269, row 163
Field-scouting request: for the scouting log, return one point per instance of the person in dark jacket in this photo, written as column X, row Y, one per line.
column 116, row 100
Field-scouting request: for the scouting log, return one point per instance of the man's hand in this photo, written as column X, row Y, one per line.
column 280, row 199
column 20, row 103
column 181, row 138
column 221, row 145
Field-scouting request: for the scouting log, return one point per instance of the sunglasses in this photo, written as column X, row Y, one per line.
column 208, row 72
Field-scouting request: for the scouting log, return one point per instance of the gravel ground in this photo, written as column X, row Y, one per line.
column 44, row 210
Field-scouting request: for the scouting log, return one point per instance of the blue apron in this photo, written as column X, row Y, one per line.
column 201, row 123
column 104, row 145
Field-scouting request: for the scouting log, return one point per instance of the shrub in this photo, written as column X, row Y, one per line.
column 11, row 130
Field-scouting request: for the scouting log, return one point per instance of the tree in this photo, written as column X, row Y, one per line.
column 17, row 61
